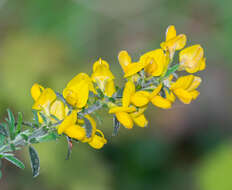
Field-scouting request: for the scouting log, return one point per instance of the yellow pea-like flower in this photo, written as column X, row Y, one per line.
column 76, row 92
column 192, row 59
column 185, row 88
column 130, row 68
column 43, row 102
column 156, row 62
column 67, row 122
column 140, row 98
column 173, row 42
column 98, row 141
column 103, row 77
column 160, row 101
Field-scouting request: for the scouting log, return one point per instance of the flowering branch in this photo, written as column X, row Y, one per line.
column 153, row 78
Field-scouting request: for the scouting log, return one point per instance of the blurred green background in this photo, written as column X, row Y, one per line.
column 186, row 148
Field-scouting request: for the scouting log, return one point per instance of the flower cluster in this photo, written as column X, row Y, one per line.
column 152, row 78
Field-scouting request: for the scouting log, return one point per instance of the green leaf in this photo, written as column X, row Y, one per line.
column 35, row 117
column 3, row 129
column 12, row 146
column 171, row 70
column 2, row 139
column 15, row 161
column 25, row 137
column 19, row 122
column 116, row 125
column 48, row 137
column 11, row 121
column 0, row 174
column 35, row 164
column 88, row 128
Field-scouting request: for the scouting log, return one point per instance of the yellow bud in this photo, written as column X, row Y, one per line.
column 97, row 141
column 36, row 91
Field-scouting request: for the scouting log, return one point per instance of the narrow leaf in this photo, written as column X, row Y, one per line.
column 3, row 129
column 19, row 122
column 171, row 70
column 48, row 137
column 43, row 117
column 116, row 125
column 35, row 117
column 35, row 164
column 11, row 121
column 15, row 161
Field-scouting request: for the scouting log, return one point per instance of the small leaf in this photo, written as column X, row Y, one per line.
column 35, row 164
column 35, row 117
column 116, row 125
column 15, row 161
column 2, row 139
column 88, row 127
column 11, row 121
column 48, row 137
column 171, row 70
column 3, row 129
column 12, row 146
column 19, row 122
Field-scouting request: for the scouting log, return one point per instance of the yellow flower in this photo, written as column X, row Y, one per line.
column 103, row 77
column 192, row 59
column 185, row 88
column 173, row 42
column 156, row 62
column 160, row 101
column 70, row 128
column 76, row 92
column 123, row 113
column 98, row 141
column 44, row 100
column 36, row 91
column 128, row 67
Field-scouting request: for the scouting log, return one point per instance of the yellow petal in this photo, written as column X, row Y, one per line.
column 98, row 141
column 183, row 82
column 183, row 95
column 155, row 62
column 191, row 58
column 125, row 119
column 36, row 91
column 122, row 109
column 75, row 131
column 170, row 32
column 133, row 68
column 67, row 122
column 195, row 94
column 124, row 59
column 140, row 98
column 45, row 99
column 57, row 109
column 195, row 83
column 77, row 95
column 141, row 120
column 109, row 88
column 128, row 91
column 161, row 102
column 202, row 64
column 156, row 90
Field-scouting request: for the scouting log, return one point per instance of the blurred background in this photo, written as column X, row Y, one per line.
column 186, row 148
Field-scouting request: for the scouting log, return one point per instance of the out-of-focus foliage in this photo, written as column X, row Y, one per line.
column 50, row 41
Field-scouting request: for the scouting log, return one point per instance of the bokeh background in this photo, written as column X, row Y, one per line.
column 187, row 147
